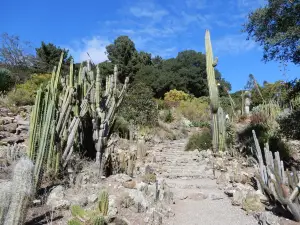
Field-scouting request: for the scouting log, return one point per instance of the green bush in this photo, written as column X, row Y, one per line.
column 139, row 105
column 121, row 126
column 24, row 94
column 195, row 110
column 200, row 141
column 169, row 117
column 289, row 124
column 6, row 80
column 201, row 124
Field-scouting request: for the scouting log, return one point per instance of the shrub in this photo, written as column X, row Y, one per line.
column 174, row 97
column 139, row 105
column 24, row 94
column 289, row 124
column 200, row 141
column 169, row 117
column 161, row 104
column 196, row 110
column 201, row 124
column 121, row 126
column 6, row 80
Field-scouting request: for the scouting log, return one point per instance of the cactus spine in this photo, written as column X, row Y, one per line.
column 22, row 192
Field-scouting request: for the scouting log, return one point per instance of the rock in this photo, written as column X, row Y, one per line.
column 6, row 120
column 77, row 199
column 10, row 127
column 198, row 196
column 238, row 197
column 56, row 199
column 214, row 196
column 252, row 203
column 222, row 179
column 129, row 184
column 230, row 192
column 121, row 177
column 11, row 139
column 262, row 197
column 266, row 218
column 112, row 207
column 138, row 198
column 92, row 198
column 142, row 187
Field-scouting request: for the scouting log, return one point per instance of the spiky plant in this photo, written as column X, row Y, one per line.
column 22, row 192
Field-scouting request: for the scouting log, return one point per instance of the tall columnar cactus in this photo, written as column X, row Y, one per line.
column 213, row 89
column 61, row 111
column 221, row 129
column 22, row 192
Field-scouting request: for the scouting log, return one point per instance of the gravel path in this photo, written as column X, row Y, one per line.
column 197, row 197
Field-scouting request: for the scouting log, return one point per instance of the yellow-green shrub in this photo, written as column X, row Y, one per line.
column 196, row 109
column 173, row 97
column 24, row 94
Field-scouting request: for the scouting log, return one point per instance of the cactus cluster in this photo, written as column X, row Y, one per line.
column 91, row 217
column 15, row 196
column 218, row 118
column 278, row 185
column 62, row 111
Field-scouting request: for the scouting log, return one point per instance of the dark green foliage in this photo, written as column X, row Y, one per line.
column 121, row 127
column 201, row 124
column 48, row 56
column 6, row 80
column 169, row 117
column 289, row 124
column 138, row 105
column 123, row 54
column 276, row 27
column 200, row 141
column 186, row 72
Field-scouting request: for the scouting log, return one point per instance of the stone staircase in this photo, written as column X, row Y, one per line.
column 171, row 161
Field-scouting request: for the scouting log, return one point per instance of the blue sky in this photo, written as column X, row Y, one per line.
column 162, row 28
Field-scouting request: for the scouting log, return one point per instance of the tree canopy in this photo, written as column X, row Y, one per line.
column 48, row 56
column 276, row 27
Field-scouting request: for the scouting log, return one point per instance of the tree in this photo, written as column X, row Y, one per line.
column 276, row 28
column 15, row 55
column 13, row 51
column 48, row 56
column 186, row 72
column 123, row 54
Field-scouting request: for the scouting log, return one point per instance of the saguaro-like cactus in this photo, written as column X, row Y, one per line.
column 22, row 192
column 213, row 90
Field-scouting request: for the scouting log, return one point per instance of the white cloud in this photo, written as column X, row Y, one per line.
column 233, row 44
column 95, row 46
column 139, row 12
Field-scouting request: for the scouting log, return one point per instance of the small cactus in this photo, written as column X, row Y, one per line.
column 5, row 198
column 22, row 192
column 99, row 221
column 103, row 202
